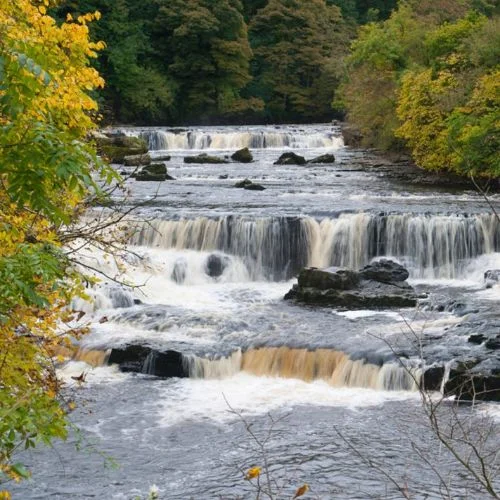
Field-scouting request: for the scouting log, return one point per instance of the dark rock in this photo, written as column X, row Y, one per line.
column 469, row 385
column 165, row 364
column 254, row 187
column 116, row 147
column 491, row 277
column 204, row 158
column 385, row 271
column 243, row 183
column 130, row 353
column 161, row 157
column 137, row 160
column 352, row 136
column 432, row 378
column 155, row 172
column 137, row 302
column 224, row 176
column 477, row 338
column 290, row 159
column 493, row 343
column 180, row 270
column 242, row 156
column 216, row 264
column 350, row 289
column 326, row 158
column 142, row 359
column 331, row 278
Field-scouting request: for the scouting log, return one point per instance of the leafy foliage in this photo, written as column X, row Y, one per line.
column 46, row 171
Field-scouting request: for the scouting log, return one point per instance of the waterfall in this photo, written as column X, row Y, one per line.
column 92, row 357
column 254, row 139
column 276, row 248
column 335, row 367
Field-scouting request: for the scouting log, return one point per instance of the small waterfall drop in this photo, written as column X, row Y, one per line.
column 334, row 367
column 276, row 248
column 92, row 357
column 228, row 140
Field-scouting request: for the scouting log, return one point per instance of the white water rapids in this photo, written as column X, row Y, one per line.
column 213, row 263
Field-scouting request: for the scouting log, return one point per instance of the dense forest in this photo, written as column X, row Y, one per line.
column 413, row 73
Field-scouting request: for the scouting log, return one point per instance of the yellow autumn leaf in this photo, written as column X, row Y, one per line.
column 5, row 495
column 252, row 473
column 302, row 490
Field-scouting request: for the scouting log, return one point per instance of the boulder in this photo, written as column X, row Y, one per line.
column 156, row 172
column 385, row 271
column 242, row 156
column 350, row 289
column 473, row 381
column 491, row 277
column 326, row 158
column 224, row 176
column 216, row 264
column 254, row 187
column 290, row 158
column 143, row 359
column 137, row 160
column 243, row 183
column 117, row 146
column 160, row 157
column 204, row 158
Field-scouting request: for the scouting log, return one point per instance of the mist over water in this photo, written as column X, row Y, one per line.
column 214, row 263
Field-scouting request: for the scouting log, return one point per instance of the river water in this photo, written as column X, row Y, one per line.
column 321, row 389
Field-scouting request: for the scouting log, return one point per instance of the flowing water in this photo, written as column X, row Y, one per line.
column 324, row 387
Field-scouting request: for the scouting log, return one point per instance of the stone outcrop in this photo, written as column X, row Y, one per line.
column 137, row 160
column 326, row 158
column 491, row 277
column 216, row 264
column 242, row 156
column 204, row 158
column 352, row 136
column 249, row 185
column 115, row 147
column 379, row 285
column 156, row 172
column 143, row 359
column 290, row 158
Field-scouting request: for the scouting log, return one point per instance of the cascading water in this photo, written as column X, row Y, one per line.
column 256, row 139
column 275, row 248
column 335, row 367
column 209, row 263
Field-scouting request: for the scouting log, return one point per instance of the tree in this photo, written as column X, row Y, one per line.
column 46, row 171
column 297, row 47
column 137, row 85
column 207, row 55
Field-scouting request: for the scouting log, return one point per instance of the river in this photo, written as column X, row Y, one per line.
column 255, row 359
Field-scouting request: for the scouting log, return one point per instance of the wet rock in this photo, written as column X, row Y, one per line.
column 385, row 271
column 254, row 187
column 160, row 157
column 215, row 265
column 204, row 158
column 243, row 183
column 224, row 176
column 352, row 136
column 179, row 272
column 242, row 156
column 137, row 160
column 493, row 343
column 326, row 158
column 491, row 277
column 475, row 381
column 351, row 289
column 432, row 378
column 156, row 172
column 115, row 147
column 477, row 338
column 143, row 359
column 290, row 159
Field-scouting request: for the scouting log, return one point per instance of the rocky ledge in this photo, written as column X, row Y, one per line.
column 381, row 284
